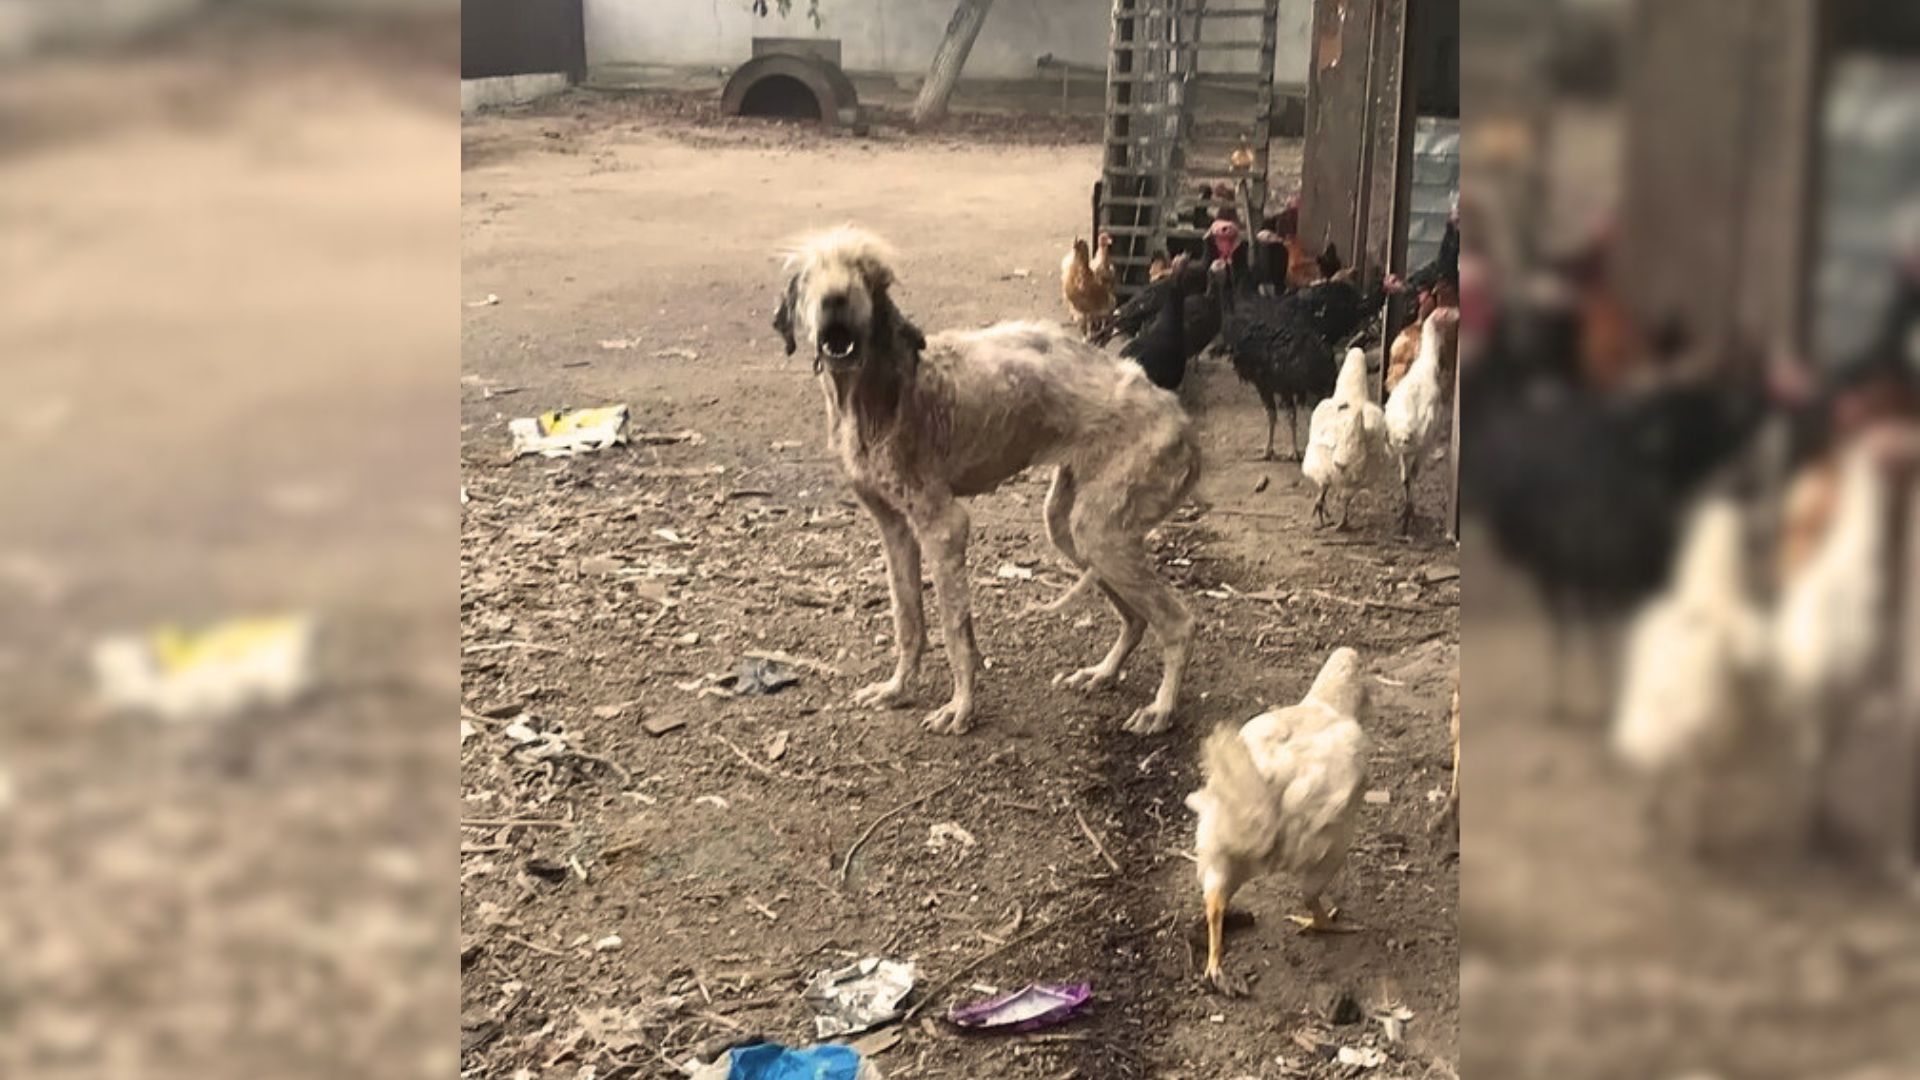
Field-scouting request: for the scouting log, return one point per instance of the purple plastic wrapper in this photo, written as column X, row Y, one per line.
column 1040, row 1005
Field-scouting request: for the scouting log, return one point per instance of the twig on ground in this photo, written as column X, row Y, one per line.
column 1094, row 838
column 626, row 778
column 767, row 770
column 502, row 823
column 1368, row 602
column 846, row 864
column 525, row 944
column 787, row 658
column 531, row 646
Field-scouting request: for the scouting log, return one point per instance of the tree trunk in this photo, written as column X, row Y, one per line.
column 948, row 59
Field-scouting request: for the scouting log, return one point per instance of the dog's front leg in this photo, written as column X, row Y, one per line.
column 943, row 534
column 909, row 613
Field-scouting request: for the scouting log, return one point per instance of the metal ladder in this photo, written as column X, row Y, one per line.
column 1154, row 158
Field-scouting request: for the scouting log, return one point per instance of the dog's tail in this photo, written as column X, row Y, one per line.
column 1087, row 578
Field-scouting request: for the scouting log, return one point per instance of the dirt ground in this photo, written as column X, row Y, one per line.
column 217, row 369
column 629, row 243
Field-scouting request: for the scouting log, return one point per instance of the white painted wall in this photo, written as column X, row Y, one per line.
column 887, row 36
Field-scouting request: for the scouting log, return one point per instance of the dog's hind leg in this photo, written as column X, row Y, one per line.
column 909, row 613
column 1116, row 548
column 943, row 536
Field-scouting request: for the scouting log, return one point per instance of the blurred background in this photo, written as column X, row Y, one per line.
column 1690, row 335
column 228, row 537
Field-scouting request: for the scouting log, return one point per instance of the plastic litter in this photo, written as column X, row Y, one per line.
column 757, row 676
column 1038, row 1006
column 569, row 431
column 771, row 1061
column 212, row 673
column 861, row 995
column 1364, row 1056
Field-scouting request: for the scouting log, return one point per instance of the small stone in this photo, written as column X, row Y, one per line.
column 660, row 725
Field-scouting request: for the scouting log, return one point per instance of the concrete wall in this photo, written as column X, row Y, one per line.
column 887, row 36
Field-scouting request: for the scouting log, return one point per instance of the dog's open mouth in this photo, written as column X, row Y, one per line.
column 837, row 342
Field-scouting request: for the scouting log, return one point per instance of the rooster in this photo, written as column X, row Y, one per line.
column 1346, row 440
column 1283, row 793
column 1413, row 410
column 1687, row 692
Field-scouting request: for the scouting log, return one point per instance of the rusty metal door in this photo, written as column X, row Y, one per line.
column 1358, row 156
column 522, row 37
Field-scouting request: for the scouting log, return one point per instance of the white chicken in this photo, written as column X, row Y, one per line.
column 1828, row 628
column 1693, row 655
column 1283, row 792
column 1413, row 410
column 1346, row 440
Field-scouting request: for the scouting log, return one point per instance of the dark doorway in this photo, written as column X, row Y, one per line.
column 780, row 96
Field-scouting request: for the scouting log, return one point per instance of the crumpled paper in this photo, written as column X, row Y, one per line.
column 859, row 996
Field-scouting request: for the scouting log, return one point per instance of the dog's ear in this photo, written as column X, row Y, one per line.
column 783, row 316
column 888, row 320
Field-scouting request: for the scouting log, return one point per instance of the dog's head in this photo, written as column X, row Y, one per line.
column 837, row 302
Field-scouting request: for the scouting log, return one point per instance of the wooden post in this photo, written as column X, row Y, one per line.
column 948, row 59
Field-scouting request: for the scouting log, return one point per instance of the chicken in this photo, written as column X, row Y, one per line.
column 1102, row 261
column 1241, row 159
column 1406, row 346
column 1283, row 793
column 1687, row 692
column 1346, row 440
column 1828, row 629
column 1131, row 319
column 1089, row 295
column 1413, row 411
column 1284, row 346
column 1158, row 267
column 1435, row 285
column 1185, row 325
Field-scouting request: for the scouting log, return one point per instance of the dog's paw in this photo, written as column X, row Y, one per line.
column 1150, row 720
column 890, row 694
column 1090, row 679
column 953, row 718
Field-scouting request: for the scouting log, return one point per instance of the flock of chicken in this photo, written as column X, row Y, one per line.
column 1282, row 792
column 1285, row 317
column 1613, row 467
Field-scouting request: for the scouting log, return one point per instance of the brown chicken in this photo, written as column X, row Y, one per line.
column 1086, row 283
column 1241, row 160
column 1406, row 344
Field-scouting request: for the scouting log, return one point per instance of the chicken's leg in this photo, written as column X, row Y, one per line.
column 1293, row 433
column 1273, row 421
column 1217, row 976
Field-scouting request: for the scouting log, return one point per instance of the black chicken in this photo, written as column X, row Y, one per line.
column 1186, row 278
column 1182, row 328
column 1583, row 493
column 1284, row 346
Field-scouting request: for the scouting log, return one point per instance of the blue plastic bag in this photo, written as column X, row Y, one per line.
column 771, row 1061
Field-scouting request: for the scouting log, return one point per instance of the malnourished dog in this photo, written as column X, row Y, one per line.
column 921, row 422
